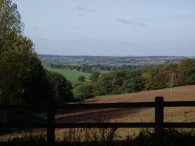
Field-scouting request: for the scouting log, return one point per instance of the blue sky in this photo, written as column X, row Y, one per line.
column 110, row 27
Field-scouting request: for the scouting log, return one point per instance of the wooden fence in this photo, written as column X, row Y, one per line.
column 158, row 125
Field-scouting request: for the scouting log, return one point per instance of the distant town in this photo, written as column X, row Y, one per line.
column 110, row 60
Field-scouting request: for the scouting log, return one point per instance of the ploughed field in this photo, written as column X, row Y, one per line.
column 182, row 114
column 179, row 114
column 185, row 93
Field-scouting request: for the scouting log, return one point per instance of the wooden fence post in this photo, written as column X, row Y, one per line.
column 159, row 115
column 50, row 124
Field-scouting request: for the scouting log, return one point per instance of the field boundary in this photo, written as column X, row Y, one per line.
column 51, row 108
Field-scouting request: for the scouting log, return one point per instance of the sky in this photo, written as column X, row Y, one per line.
column 110, row 27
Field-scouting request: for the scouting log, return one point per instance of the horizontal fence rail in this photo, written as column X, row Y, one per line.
column 25, row 107
column 99, row 105
column 178, row 103
column 51, row 108
column 107, row 105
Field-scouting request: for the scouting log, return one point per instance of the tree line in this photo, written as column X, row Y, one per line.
column 91, row 68
column 138, row 79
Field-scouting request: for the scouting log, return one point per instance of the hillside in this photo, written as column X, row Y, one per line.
column 71, row 75
column 183, row 93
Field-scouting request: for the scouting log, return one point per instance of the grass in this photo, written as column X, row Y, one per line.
column 110, row 137
column 71, row 75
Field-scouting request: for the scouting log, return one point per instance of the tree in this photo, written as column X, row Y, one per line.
column 161, row 79
column 22, row 75
column 105, row 84
column 187, row 70
column 148, row 80
column 83, row 90
column 94, row 76
column 10, row 23
column 134, row 81
column 81, row 79
column 61, row 87
column 148, row 74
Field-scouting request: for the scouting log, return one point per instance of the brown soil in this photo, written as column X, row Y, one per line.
column 185, row 93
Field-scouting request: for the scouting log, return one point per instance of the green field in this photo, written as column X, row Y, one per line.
column 71, row 75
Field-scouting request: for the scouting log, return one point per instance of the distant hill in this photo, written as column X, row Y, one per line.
column 109, row 60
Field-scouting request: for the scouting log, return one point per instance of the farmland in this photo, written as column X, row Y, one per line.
column 108, row 80
column 185, row 93
column 181, row 114
column 71, row 75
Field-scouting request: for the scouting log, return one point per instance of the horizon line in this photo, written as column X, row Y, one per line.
column 120, row 55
